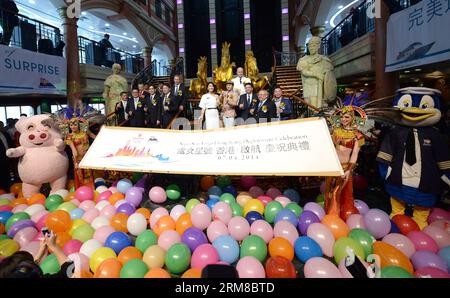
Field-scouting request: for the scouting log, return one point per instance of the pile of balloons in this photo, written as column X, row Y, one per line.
column 261, row 233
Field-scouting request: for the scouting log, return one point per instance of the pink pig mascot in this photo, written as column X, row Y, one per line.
column 42, row 155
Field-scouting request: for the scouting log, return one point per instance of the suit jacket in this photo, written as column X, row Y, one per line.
column 154, row 110
column 137, row 117
column 120, row 113
column 173, row 105
column 266, row 110
column 245, row 112
column 181, row 96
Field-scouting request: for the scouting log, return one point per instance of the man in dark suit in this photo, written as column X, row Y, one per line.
column 179, row 92
column 170, row 107
column 247, row 102
column 266, row 109
column 120, row 111
column 154, row 108
column 136, row 110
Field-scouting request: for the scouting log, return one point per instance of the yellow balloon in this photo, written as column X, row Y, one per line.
column 254, row 205
column 101, row 254
column 75, row 224
column 243, row 198
column 8, row 247
column 154, row 257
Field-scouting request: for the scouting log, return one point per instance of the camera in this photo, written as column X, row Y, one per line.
column 46, row 231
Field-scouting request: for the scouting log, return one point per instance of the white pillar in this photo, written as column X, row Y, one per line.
column 181, row 32
column 247, row 26
column 213, row 32
column 285, row 24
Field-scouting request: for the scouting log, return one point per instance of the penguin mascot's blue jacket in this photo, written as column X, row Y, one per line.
column 414, row 157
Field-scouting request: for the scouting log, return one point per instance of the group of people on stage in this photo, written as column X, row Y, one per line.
column 156, row 106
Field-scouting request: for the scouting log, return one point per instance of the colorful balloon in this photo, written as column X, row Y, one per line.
column 281, row 247
column 254, row 246
column 178, row 258
column 216, row 229
column 400, row 242
column 262, row 229
column 391, row 256
column 204, row 255
column 424, row 258
column 201, row 216
column 134, row 268
column 227, row 248
column 336, row 225
column 345, row 244
column 321, row 268
column 239, row 228
column 154, row 257
column 377, row 222
column 405, row 224
column 145, row 240
column 250, row 267
column 279, row 267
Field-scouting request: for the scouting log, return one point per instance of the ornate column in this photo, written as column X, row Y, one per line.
column 147, row 55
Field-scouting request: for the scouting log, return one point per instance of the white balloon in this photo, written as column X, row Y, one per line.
column 89, row 247
column 8, row 196
column 177, row 211
column 136, row 224
column 33, row 209
column 120, row 202
column 101, row 189
column 99, row 222
column 102, row 204
column 62, row 192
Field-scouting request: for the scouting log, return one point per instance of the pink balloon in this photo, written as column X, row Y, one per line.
column 321, row 268
column 32, row 247
column 356, row 221
column 222, row 211
column 439, row 235
column 273, row 192
column 216, row 229
column 168, row 238
column 75, row 202
column 5, row 208
column 108, row 211
column 422, row 241
column 250, row 267
column 177, row 211
column 41, row 222
column 156, row 215
column 323, row 236
column 438, row 214
column 401, row 242
column 37, row 216
column 262, row 229
column 86, row 205
column 90, row 214
column 113, row 189
column 39, row 237
column 427, row 272
column 285, row 229
column 265, row 199
column 25, row 236
column 442, row 223
column 157, row 195
column 80, row 261
column 239, row 228
column 201, row 216
column 204, row 255
column 84, row 193
column 104, row 196
column 19, row 208
column 315, row 208
column 72, row 246
column 283, row 200
column 102, row 233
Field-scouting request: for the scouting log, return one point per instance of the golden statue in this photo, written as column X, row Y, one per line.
column 224, row 73
column 252, row 72
column 198, row 86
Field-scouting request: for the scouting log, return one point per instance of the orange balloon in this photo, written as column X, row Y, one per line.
column 86, row 274
column 2, row 228
column 157, row 273
column 16, row 188
column 206, row 182
column 165, row 223
column 391, row 256
column 69, row 197
column 119, row 222
column 109, row 268
column 2, row 191
column 183, row 223
column 336, row 225
column 62, row 238
column 192, row 273
column 129, row 253
column 281, row 247
column 115, row 197
column 17, row 202
column 36, row 199
column 58, row 221
column 144, row 211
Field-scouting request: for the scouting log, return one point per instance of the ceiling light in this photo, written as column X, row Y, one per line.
column 366, row 84
column 125, row 33
column 407, row 71
column 31, row 1
column 121, row 40
column 333, row 18
column 418, row 69
column 134, row 46
column 107, row 25
column 83, row 13
column 326, row 22
column 340, row 6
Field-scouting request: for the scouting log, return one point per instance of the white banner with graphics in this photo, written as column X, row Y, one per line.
column 418, row 35
column 290, row 148
column 27, row 72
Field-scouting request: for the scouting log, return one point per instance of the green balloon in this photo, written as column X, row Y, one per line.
column 227, row 198
column 320, row 198
column 236, row 209
column 3, row 237
column 173, row 194
column 50, row 265
column 321, row 204
column 83, row 233
column 271, row 210
column 146, row 239
column 134, row 268
column 223, row 181
column 136, row 177
column 190, row 204
column 15, row 218
column 174, row 187
column 72, row 189
column 4, row 202
column 294, row 207
column 395, row 272
column 53, row 202
column 364, row 239
column 340, row 249
column 178, row 258
column 254, row 246
column 67, row 206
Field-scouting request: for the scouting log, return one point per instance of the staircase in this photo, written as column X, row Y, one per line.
column 288, row 78
column 156, row 80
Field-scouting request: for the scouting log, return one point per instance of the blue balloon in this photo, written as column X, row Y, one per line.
column 292, row 194
column 394, row 228
column 117, row 241
column 253, row 216
column 4, row 216
column 230, row 189
column 306, row 248
column 288, row 215
column 215, row 190
column 124, row 185
column 227, row 248
column 76, row 213
column 445, row 254
column 212, row 202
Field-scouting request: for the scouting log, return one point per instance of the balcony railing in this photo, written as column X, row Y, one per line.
column 30, row 34
column 91, row 52
column 285, row 58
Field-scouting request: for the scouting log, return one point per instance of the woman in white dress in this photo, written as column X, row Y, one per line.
column 209, row 104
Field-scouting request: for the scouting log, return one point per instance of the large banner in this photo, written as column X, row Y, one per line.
column 418, row 35
column 290, row 148
column 27, row 72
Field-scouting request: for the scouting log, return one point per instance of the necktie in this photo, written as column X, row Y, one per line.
column 176, row 89
column 411, row 148
column 248, row 99
column 240, row 80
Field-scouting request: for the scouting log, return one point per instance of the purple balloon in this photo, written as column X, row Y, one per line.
column 193, row 237
column 126, row 208
column 134, row 196
column 315, row 208
column 361, row 206
column 425, row 258
column 17, row 226
column 256, row 191
column 377, row 223
column 306, row 219
column 273, row 192
column 141, row 182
